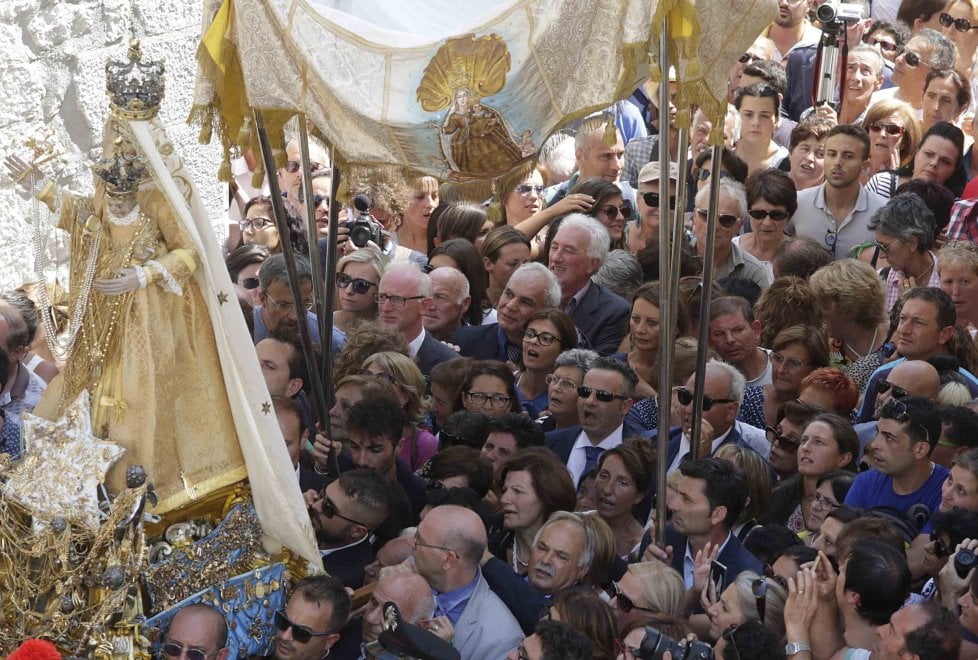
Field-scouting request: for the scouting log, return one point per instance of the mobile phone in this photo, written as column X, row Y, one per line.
column 718, row 574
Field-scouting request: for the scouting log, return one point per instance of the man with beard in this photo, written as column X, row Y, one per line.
column 343, row 515
column 309, row 625
column 791, row 28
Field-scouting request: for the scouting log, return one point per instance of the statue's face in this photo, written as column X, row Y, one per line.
column 120, row 206
column 462, row 98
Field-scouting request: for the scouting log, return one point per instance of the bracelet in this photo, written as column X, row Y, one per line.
column 794, row 648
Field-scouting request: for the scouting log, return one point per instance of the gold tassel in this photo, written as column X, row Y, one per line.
column 258, row 176
column 245, row 134
column 610, row 134
column 207, row 126
column 224, row 171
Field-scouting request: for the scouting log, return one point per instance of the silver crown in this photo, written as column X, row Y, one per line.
column 135, row 88
column 121, row 172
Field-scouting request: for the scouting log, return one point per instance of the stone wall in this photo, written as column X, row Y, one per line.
column 52, row 57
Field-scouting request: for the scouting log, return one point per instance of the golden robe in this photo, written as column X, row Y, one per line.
column 148, row 357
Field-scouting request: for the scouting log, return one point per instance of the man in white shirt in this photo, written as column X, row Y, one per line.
column 735, row 334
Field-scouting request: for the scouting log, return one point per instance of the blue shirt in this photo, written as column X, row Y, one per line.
column 452, row 603
column 875, row 489
column 535, row 406
column 339, row 338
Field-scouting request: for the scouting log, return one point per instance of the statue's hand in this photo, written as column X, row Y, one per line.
column 20, row 171
column 125, row 280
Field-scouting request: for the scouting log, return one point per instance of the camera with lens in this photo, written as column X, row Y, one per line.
column 964, row 561
column 833, row 14
column 656, row 644
column 364, row 228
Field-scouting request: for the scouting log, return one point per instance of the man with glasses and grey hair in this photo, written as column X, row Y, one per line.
column 927, row 51
column 729, row 259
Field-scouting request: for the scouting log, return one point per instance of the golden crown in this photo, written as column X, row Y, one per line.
column 135, row 88
column 121, row 172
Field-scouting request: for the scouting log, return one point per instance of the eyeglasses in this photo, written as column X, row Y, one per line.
column 624, row 603
column 960, row 24
column 601, row 395
column 329, row 510
column 759, row 588
column 883, row 386
column 613, row 211
column 686, row 397
column 418, row 542
column 300, row 634
column 704, row 173
column 395, row 301
column 727, row 221
column 760, row 214
column 911, row 58
column 728, row 635
column 940, row 547
column 316, row 199
column 791, row 364
column 545, row 338
column 651, row 200
column 527, row 188
column 784, row 442
column 174, row 650
column 825, row 502
column 747, row 58
column 897, row 410
column 255, row 224
column 561, row 383
column 360, row 285
column 884, row 248
column 383, row 375
column 889, row 129
column 281, row 306
column 293, row 166
column 887, row 46
column 480, row 399
column 249, row 283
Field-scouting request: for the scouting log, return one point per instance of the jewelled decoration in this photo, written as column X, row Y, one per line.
column 135, row 88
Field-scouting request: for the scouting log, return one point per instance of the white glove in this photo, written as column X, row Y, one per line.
column 125, row 280
column 20, row 170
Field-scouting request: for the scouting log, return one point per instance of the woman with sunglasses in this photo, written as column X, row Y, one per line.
column 357, row 276
column 749, row 598
column 417, row 444
column 796, row 352
column 894, row 131
column 607, row 207
column 412, row 226
column 889, row 36
column 621, row 488
column 548, row 333
column 938, row 158
column 259, row 228
column 523, row 199
column 785, row 437
column 489, row 388
column 828, row 443
column 959, row 23
column 243, row 264
column 772, row 199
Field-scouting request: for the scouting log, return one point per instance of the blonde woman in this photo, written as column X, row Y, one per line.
column 357, row 277
column 412, row 227
column 957, row 266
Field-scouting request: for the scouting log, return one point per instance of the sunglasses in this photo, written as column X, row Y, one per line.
column 889, row 129
column 760, row 214
column 884, row 386
column 249, row 283
column 960, row 24
column 686, row 397
column 784, row 442
column 897, row 410
column 360, row 285
column 316, row 199
column 758, row 587
column 526, row 188
column 911, row 58
column 612, row 211
column 174, row 650
column 725, row 220
column 329, row 510
column 300, row 634
column 651, row 200
column 625, row 603
column 293, row 166
column 601, row 395
column 940, row 547
column 887, row 46
column 746, row 58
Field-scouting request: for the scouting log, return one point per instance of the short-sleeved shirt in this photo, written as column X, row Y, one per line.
column 875, row 489
column 745, row 266
column 814, row 220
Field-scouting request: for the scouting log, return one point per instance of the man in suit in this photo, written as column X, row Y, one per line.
column 448, row 546
column 603, row 401
column 309, row 626
column 531, row 288
column 403, row 296
column 577, row 252
column 344, row 514
column 712, row 493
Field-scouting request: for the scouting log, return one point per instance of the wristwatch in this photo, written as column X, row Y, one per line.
column 794, row 648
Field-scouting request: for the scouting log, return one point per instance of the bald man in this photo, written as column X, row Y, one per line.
column 448, row 547
column 450, row 299
column 391, row 553
column 197, row 627
column 908, row 378
column 413, row 597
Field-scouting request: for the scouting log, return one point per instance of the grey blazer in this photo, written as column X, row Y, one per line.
column 487, row 630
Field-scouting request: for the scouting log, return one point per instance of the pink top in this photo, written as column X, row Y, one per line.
column 427, row 445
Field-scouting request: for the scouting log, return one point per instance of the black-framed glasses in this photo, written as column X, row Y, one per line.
column 940, row 547
column 889, row 129
column 725, row 220
column 651, row 200
column 760, row 214
column 561, row 383
column 249, row 283
column 601, row 395
column 883, row 386
column 360, row 285
column 686, row 397
column 526, row 188
column 624, row 603
column 784, row 442
column 911, row 58
column 790, row 363
column 329, row 510
column 897, row 410
column 480, row 399
column 728, row 635
column 887, row 46
column 282, row 306
column 545, row 338
column 758, row 587
column 255, row 224
column 300, row 633
column 395, row 301
column 173, row 650
column 960, row 24
column 418, row 542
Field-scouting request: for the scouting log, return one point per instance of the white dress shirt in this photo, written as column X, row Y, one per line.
column 578, row 457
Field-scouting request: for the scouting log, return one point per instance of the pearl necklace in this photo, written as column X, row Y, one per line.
column 517, row 562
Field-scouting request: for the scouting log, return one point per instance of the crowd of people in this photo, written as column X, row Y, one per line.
column 494, row 410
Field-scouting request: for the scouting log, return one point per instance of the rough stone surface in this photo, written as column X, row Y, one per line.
column 52, row 55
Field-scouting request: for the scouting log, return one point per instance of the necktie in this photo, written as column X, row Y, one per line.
column 591, row 460
column 514, row 353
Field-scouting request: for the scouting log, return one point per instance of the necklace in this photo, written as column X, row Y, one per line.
column 517, row 562
column 872, row 345
column 919, row 279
